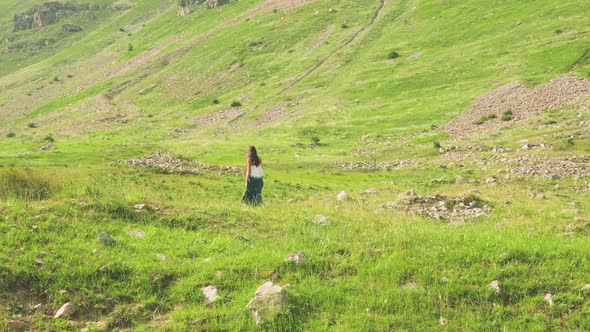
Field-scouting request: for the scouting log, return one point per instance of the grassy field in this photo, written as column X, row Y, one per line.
column 321, row 83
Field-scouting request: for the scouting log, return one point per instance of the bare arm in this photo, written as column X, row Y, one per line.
column 248, row 170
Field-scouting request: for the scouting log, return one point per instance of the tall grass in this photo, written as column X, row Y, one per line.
column 24, row 185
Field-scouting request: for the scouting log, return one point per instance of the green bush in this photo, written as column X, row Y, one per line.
column 32, row 125
column 49, row 139
column 485, row 118
column 507, row 116
column 436, row 145
column 18, row 184
column 236, row 104
column 344, row 26
column 393, row 55
column 129, row 47
column 215, row 101
column 11, row 134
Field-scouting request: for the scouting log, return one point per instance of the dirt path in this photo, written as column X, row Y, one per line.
column 350, row 40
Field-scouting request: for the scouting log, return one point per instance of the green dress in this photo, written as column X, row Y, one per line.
column 253, row 193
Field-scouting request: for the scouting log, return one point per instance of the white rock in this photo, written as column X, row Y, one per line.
column 495, row 285
column 298, row 258
column 321, row 220
column 443, row 321
column 210, row 293
column 65, row 311
column 586, row 287
column 342, row 196
column 549, row 298
column 268, row 302
column 139, row 206
column 137, row 233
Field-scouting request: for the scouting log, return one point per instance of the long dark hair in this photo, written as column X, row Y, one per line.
column 253, row 155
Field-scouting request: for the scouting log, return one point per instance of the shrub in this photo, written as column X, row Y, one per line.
column 507, row 116
column 315, row 141
column 436, row 145
column 55, row 79
column 11, row 134
column 344, row 26
column 130, row 47
column 236, row 104
column 215, row 101
column 393, row 55
column 49, row 139
column 485, row 118
column 32, row 125
column 24, row 185
column 549, row 122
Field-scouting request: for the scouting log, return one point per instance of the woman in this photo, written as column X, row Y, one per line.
column 254, row 174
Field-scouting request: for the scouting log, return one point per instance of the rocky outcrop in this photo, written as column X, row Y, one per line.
column 49, row 13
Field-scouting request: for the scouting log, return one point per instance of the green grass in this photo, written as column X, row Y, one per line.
column 124, row 86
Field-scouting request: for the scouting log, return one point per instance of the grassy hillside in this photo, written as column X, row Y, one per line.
column 314, row 85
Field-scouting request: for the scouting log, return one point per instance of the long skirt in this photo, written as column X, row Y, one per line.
column 253, row 193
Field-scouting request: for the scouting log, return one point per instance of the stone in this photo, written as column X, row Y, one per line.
column 459, row 179
column 298, row 258
column 490, row 180
column 67, row 310
column 268, row 302
column 139, row 206
column 210, row 293
column 408, row 196
column 137, row 233
column 370, row 191
column 71, row 28
column 106, row 239
column 184, row 11
column 495, row 285
column 321, row 220
column 443, row 321
column 47, row 147
column 342, row 196
column 549, row 298
column 586, row 287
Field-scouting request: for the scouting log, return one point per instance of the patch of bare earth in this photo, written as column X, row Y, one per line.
column 280, row 111
column 226, row 114
column 522, row 101
column 321, row 39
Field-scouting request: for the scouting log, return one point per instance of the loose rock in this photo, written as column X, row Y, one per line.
column 495, row 285
column 210, row 293
column 298, row 258
column 137, row 233
column 321, row 220
column 342, row 196
column 66, row 311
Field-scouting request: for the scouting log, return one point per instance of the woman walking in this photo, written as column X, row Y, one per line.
column 254, row 181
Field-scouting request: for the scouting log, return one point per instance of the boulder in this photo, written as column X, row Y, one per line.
column 342, row 196
column 268, row 302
